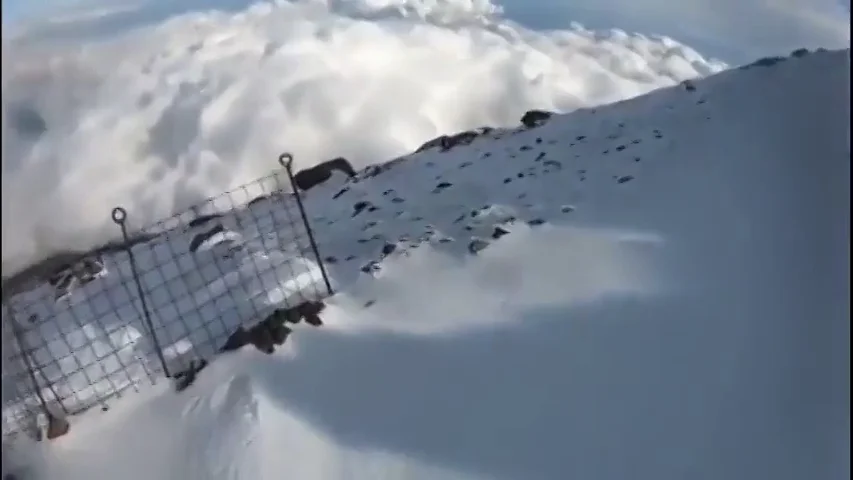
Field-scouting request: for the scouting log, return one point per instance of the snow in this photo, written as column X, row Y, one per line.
column 168, row 115
column 691, row 321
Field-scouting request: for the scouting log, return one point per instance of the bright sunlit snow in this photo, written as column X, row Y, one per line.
column 669, row 300
column 166, row 116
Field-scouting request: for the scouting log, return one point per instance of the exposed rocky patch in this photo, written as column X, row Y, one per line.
column 535, row 118
column 313, row 176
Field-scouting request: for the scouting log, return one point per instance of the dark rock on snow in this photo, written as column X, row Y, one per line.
column 535, row 118
column 202, row 237
column 311, row 177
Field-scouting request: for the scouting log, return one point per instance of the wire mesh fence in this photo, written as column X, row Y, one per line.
column 160, row 302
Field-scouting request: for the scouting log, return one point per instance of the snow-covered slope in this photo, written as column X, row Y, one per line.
column 668, row 298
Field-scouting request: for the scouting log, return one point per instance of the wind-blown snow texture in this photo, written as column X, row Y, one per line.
column 671, row 301
column 166, row 116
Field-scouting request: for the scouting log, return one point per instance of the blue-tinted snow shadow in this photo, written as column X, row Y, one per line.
column 623, row 389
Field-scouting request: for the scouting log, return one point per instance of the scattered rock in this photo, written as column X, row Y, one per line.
column 187, row 377
column 567, row 209
column 257, row 200
column 626, row 178
column 388, row 248
column 435, row 142
column 202, row 237
column 477, row 245
column 370, row 267
column 441, row 186
column 800, row 52
column 535, row 118
column 314, row 320
column 311, row 177
column 764, row 62
column 447, row 142
column 340, row 192
column 359, row 206
column 202, row 219
column 535, row 221
column 499, row 232
column 57, row 426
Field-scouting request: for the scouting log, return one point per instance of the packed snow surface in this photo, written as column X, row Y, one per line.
column 669, row 299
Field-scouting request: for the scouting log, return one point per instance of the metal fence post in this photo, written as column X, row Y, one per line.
column 286, row 161
column 119, row 216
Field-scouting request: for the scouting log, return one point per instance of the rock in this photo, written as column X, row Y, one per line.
column 626, row 178
column 261, row 337
column 374, row 170
column 340, row 192
column 462, row 138
column 359, row 206
column 764, row 62
column 388, row 248
column 370, row 267
column 279, row 333
column 257, row 200
column 311, row 307
column 202, row 237
column 202, row 219
column 311, row 177
column 447, row 142
column 477, row 245
column 800, row 52
column 56, row 427
column 535, row 118
column 187, row 377
column 313, row 320
column 236, row 341
column 689, row 85
column 499, row 232
column 435, row 142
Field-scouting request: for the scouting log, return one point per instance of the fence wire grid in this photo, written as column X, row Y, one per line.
column 165, row 296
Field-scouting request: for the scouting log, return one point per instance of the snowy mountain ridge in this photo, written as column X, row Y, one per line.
column 657, row 281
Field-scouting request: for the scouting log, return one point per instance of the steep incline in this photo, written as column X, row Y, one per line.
column 667, row 298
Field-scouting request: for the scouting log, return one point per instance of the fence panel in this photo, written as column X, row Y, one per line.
column 159, row 301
